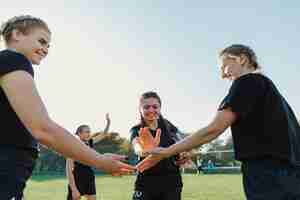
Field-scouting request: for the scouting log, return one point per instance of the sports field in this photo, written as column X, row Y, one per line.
column 196, row 187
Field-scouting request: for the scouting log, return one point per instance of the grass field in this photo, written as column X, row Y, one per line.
column 196, row 187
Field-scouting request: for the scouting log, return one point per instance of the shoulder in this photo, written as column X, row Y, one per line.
column 12, row 61
column 134, row 132
column 251, row 78
column 171, row 126
column 135, row 129
column 250, row 81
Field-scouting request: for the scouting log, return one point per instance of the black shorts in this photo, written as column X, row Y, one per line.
column 156, row 194
column 266, row 179
column 85, row 183
column 16, row 167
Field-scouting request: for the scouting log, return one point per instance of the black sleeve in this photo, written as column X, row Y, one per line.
column 11, row 61
column 134, row 132
column 243, row 95
column 91, row 143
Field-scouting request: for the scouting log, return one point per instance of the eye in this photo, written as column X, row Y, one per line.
column 43, row 42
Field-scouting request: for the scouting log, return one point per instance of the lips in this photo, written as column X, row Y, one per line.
column 41, row 55
column 152, row 115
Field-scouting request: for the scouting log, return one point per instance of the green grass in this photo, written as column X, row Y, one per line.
column 196, row 187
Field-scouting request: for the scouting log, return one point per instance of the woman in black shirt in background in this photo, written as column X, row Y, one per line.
column 163, row 181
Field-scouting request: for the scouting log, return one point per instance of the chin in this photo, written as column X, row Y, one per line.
column 36, row 62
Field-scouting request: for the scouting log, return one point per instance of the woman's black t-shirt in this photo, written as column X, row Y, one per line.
column 165, row 174
column 266, row 125
column 13, row 132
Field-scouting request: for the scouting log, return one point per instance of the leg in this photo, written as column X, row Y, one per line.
column 90, row 197
column 265, row 180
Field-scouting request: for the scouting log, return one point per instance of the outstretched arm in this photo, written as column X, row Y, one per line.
column 97, row 137
column 220, row 123
column 24, row 98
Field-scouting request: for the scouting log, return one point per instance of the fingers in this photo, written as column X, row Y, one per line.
column 143, row 165
column 124, row 169
column 138, row 140
column 145, row 133
column 182, row 161
column 157, row 137
column 115, row 156
column 147, row 163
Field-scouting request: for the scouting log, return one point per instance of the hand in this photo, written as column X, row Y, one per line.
column 184, row 157
column 75, row 194
column 115, row 156
column 157, row 155
column 148, row 162
column 146, row 140
column 114, row 167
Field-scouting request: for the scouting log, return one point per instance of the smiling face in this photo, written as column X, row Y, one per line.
column 150, row 109
column 231, row 67
column 33, row 45
column 84, row 133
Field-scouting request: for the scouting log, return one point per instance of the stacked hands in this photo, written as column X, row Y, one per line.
column 150, row 149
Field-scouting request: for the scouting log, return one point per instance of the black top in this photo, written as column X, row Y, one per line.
column 266, row 126
column 83, row 169
column 165, row 173
column 13, row 132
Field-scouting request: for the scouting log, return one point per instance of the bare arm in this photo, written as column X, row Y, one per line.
column 97, row 137
column 220, row 123
column 23, row 96
column 69, row 173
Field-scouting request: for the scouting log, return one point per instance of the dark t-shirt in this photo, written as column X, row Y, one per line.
column 82, row 169
column 164, row 174
column 13, row 132
column 266, row 126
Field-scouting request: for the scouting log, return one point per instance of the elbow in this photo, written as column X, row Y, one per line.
column 214, row 131
column 43, row 132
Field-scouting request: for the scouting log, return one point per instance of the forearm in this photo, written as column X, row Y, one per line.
column 107, row 127
column 63, row 142
column 201, row 137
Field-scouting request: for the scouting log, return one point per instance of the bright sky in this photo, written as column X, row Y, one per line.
column 104, row 54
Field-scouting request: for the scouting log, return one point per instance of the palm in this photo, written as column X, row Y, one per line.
column 147, row 141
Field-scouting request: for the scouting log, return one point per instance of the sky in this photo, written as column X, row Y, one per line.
column 105, row 54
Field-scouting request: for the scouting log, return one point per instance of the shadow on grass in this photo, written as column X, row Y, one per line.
column 47, row 177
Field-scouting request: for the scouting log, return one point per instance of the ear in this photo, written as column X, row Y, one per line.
column 243, row 59
column 17, row 35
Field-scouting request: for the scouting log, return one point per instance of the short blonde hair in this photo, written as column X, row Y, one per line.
column 22, row 23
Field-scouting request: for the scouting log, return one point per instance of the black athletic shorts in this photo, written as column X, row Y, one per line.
column 85, row 183
column 16, row 167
